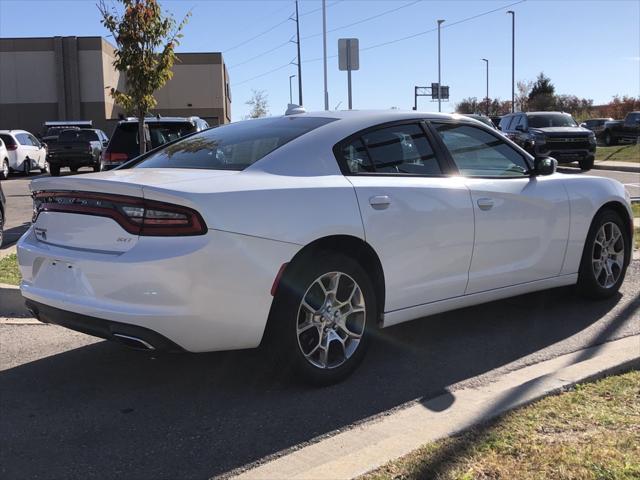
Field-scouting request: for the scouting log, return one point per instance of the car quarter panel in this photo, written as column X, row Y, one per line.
column 586, row 196
column 285, row 208
column 205, row 293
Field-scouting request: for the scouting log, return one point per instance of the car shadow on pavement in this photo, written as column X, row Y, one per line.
column 102, row 411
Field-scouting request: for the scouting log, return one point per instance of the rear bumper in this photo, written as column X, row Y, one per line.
column 203, row 293
column 109, row 166
column 71, row 160
column 98, row 327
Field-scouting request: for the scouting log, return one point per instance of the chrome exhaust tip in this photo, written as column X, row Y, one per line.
column 134, row 342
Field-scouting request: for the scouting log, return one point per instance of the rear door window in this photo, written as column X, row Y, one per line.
column 8, row 140
column 397, row 149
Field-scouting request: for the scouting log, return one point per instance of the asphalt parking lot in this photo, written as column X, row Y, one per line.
column 77, row 407
column 72, row 406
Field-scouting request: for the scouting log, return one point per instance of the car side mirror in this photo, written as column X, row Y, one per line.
column 520, row 128
column 545, row 166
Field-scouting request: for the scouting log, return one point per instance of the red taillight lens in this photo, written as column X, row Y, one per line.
column 114, row 157
column 12, row 147
column 135, row 215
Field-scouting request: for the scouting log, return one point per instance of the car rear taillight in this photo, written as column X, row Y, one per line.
column 114, row 157
column 12, row 147
column 135, row 215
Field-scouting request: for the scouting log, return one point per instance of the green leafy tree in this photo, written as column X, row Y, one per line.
column 145, row 52
column 259, row 103
column 542, row 95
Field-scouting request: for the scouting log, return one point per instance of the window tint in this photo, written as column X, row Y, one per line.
column 125, row 136
column 506, row 122
column 520, row 120
column 477, row 153
column 395, row 149
column 8, row 140
column 551, row 120
column 232, row 147
column 23, row 139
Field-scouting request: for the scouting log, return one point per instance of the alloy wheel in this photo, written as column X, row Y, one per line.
column 607, row 257
column 5, row 170
column 331, row 320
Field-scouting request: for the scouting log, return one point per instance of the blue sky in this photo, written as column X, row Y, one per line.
column 588, row 48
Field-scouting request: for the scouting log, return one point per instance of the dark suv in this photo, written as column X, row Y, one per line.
column 158, row 130
column 551, row 134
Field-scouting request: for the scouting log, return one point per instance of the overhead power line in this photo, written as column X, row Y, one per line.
column 396, row 40
column 329, row 5
column 262, row 54
column 244, row 42
column 373, row 17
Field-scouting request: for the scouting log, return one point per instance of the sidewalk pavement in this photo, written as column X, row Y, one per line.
column 631, row 167
column 6, row 251
column 372, row 444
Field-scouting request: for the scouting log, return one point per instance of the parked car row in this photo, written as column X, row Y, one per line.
column 76, row 144
column 622, row 131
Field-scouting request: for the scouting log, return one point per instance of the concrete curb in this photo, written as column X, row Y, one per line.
column 6, row 251
column 12, row 303
column 372, row 444
column 618, row 168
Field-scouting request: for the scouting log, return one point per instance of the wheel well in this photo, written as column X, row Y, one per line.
column 357, row 249
column 621, row 210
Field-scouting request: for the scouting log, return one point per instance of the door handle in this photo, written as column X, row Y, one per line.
column 485, row 203
column 380, row 202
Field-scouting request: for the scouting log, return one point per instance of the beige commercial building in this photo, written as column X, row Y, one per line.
column 68, row 78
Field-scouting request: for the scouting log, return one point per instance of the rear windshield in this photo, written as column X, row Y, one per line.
column 125, row 137
column 54, row 131
column 8, row 140
column 233, row 147
column 78, row 135
column 551, row 120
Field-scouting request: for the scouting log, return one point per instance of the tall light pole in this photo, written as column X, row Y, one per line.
column 324, row 52
column 513, row 60
column 299, row 59
column 290, row 89
column 487, row 97
column 440, row 22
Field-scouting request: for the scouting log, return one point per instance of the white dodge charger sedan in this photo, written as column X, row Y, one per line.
column 308, row 231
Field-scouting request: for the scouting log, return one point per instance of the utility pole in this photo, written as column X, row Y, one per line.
column 440, row 22
column 513, row 60
column 324, row 52
column 290, row 89
column 299, row 59
column 487, row 97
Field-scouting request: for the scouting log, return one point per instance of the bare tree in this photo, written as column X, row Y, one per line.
column 522, row 97
column 258, row 103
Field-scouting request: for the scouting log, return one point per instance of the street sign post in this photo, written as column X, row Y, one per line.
column 348, row 59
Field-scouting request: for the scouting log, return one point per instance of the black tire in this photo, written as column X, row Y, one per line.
column 54, row 170
column 73, row 169
column 588, row 284
column 4, row 171
column 609, row 139
column 26, row 165
column 281, row 338
column 586, row 164
column 96, row 167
